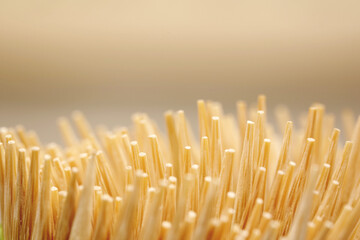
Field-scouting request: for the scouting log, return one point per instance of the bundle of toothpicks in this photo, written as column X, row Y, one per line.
column 236, row 179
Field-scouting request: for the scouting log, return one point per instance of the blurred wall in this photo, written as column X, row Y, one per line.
column 113, row 58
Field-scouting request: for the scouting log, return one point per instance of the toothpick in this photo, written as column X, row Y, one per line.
column 81, row 227
column 240, row 180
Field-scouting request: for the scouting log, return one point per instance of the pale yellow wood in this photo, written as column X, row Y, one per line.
column 240, row 180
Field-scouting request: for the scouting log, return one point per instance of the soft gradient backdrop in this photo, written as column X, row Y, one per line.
column 113, row 58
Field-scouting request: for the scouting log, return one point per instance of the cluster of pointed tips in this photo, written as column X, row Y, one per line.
column 240, row 180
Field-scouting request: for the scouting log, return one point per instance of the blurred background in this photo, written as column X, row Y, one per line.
column 111, row 59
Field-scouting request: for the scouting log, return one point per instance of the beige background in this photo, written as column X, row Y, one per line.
column 113, row 58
